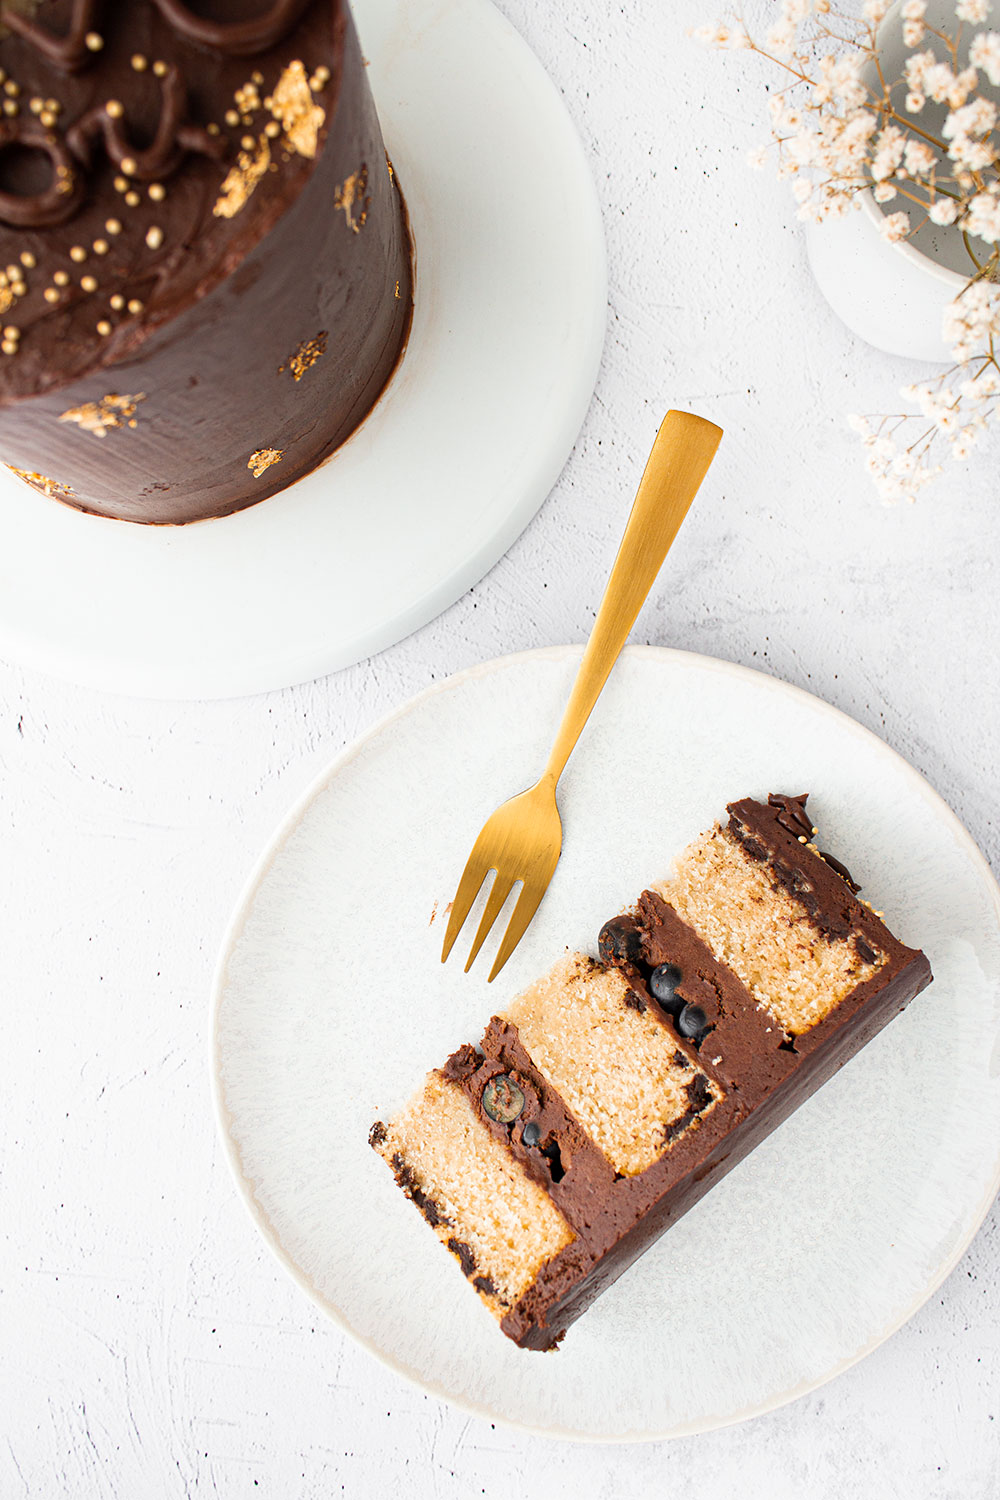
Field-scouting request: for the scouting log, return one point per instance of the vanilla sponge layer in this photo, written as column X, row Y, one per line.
column 762, row 933
column 502, row 1226
column 619, row 1070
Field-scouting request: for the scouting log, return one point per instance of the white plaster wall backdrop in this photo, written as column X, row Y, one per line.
column 148, row 1345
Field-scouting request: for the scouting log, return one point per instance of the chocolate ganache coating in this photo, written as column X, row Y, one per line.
column 205, row 268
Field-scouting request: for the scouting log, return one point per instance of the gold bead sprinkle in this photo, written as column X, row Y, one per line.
column 101, row 247
column 104, row 328
column 94, row 41
column 9, row 346
column 114, row 109
column 128, row 165
column 11, row 89
column 139, row 63
column 10, row 332
column 36, row 106
column 154, row 237
column 160, row 69
column 48, row 118
column 61, row 278
column 157, row 191
column 27, row 259
column 231, row 117
column 113, row 226
column 77, row 253
column 135, row 306
column 212, row 128
column 132, row 199
column 121, row 184
column 117, row 301
column 272, row 129
column 89, row 283
column 50, row 294
column 13, row 273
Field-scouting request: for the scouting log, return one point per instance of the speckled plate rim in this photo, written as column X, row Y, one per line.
column 935, row 803
column 470, row 435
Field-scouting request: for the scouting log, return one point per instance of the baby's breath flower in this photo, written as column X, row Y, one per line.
column 983, row 217
column 895, row 227
column 974, row 11
column 943, row 211
column 984, row 52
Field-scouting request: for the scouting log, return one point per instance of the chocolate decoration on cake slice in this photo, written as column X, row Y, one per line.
column 612, row 1094
column 205, row 267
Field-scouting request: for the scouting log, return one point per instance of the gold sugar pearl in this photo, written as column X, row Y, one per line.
column 48, row 118
column 11, row 89
column 89, row 283
column 257, row 78
column 77, row 253
column 9, row 107
column 104, row 328
column 128, row 166
column 54, row 105
column 154, row 237
column 100, row 247
column 114, row 109
column 10, row 332
column 61, row 278
column 248, row 142
column 212, row 128
column 27, row 259
column 8, row 346
column 134, row 306
column 157, row 191
column 117, row 301
column 139, row 63
column 272, row 129
column 132, row 199
column 94, row 41
column 36, row 106
column 113, row 226
column 13, row 273
column 50, row 294
column 121, row 184
column 231, row 117
column 160, row 69
column 323, row 74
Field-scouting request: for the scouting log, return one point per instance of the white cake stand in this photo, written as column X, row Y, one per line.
column 447, row 470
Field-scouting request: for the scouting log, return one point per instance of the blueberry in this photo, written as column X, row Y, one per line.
column 502, row 1099
column 692, row 1021
column 531, row 1134
column 619, row 942
column 663, row 982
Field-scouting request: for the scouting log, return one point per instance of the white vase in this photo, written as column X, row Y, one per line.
column 894, row 294
column 891, row 295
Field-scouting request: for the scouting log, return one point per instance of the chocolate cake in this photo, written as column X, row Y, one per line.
column 615, row 1091
column 205, row 271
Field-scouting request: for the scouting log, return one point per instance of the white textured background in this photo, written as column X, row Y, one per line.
column 148, row 1345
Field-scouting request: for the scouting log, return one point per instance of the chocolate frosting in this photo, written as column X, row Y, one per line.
column 199, row 224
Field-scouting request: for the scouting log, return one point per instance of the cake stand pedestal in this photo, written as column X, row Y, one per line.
column 446, row 471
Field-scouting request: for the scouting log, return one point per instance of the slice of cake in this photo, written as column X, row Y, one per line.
column 612, row 1094
column 204, row 257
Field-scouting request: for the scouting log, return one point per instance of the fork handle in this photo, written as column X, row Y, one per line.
column 685, row 446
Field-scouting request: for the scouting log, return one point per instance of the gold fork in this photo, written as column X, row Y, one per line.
column 522, row 840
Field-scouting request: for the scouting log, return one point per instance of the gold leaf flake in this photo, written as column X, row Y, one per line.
column 305, row 356
column 350, row 197
column 263, row 459
column 292, row 105
column 242, row 179
column 98, row 416
column 43, row 484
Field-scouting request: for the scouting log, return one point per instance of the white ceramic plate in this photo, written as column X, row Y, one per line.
column 450, row 466
column 331, row 1003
